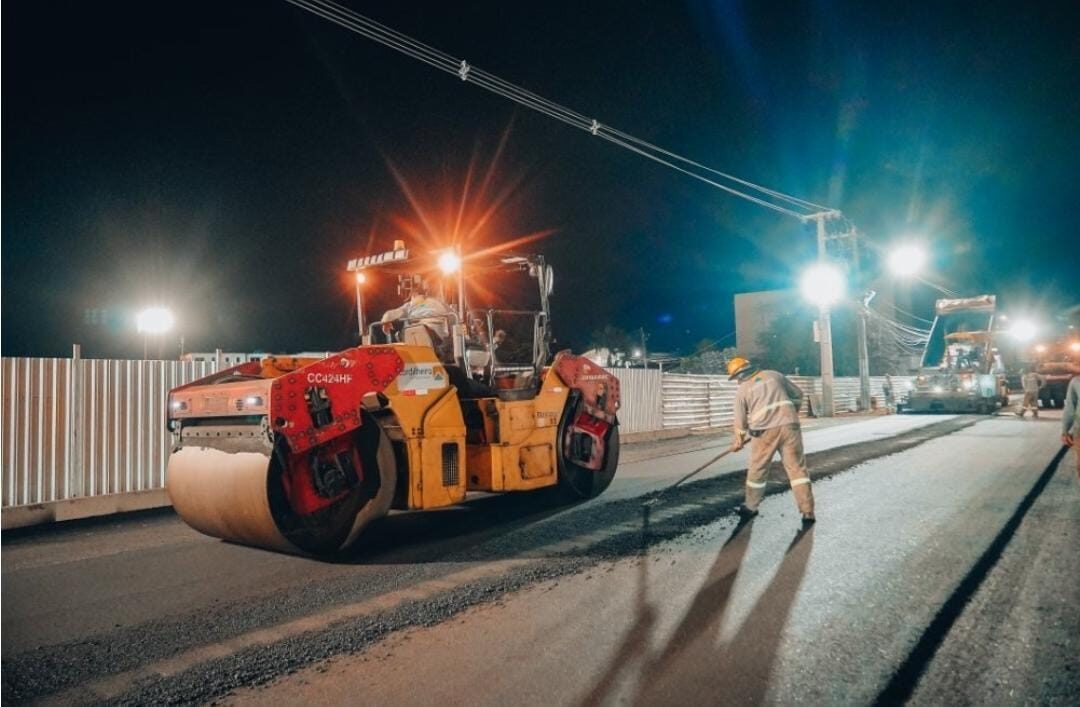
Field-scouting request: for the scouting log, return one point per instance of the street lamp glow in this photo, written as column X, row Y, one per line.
column 154, row 320
column 1041, row 348
column 1023, row 330
column 822, row 284
column 907, row 260
column 361, row 278
column 449, row 262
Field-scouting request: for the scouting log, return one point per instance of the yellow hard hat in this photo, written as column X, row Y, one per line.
column 736, row 365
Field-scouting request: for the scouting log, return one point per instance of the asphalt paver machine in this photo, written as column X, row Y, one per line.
column 961, row 370
column 301, row 454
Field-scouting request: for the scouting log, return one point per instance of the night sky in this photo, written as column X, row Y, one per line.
column 226, row 159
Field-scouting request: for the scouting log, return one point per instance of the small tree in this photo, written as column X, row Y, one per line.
column 612, row 338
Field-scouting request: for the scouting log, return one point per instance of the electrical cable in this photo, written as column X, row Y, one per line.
column 355, row 22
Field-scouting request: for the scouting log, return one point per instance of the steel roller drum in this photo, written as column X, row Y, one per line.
column 239, row 497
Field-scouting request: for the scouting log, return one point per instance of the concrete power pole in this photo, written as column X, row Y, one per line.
column 825, row 331
column 864, row 355
column 864, row 361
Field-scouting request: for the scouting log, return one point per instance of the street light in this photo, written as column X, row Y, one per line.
column 1023, row 330
column 153, row 320
column 822, row 284
column 907, row 260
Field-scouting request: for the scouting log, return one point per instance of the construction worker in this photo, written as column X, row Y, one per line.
column 889, row 393
column 426, row 317
column 1030, row 382
column 1070, row 420
column 767, row 411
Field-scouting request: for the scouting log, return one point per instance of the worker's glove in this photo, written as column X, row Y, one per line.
column 387, row 327
column 1067, row 440
column 738, row 442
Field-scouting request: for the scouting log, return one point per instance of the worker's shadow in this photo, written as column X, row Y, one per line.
column 692, row 668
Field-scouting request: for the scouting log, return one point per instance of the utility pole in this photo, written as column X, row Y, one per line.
column 644, row 351
column 824, row 329
column 864, row 360
column 864, row 355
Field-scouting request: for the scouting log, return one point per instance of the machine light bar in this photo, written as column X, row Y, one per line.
column 392, row 256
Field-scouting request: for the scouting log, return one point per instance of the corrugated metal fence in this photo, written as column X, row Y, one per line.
column 79, row 428
column 640, row 396
column 75, row 428
column 700, row 402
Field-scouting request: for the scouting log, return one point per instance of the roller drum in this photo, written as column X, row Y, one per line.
column 240, row 496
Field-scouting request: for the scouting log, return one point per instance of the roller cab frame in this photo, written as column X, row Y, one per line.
column 301, row 454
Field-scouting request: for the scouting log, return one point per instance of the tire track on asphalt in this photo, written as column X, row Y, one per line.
column 141, row 664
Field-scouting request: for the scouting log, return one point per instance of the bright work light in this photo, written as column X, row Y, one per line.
column 155, row 320
column 907, row 260
column 1023, row 330
column 449, row 262
column 822, row 284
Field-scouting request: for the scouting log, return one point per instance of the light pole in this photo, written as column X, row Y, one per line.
column 153, row 320
column 823, row 285
column 361, row 278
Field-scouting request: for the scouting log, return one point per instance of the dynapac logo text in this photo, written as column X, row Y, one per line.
column 329, row 378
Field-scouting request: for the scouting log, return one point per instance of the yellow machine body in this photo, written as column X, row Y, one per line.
column 415, row 443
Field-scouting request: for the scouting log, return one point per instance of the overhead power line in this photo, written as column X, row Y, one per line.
column 389, row 37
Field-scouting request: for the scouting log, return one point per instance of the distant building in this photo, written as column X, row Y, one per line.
column 754, row 312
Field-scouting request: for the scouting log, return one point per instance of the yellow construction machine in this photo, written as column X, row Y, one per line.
column 301, row 454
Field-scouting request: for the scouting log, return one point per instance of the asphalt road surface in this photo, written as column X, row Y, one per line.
column 944, row 568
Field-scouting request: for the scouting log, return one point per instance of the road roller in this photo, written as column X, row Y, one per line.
column 438, row 401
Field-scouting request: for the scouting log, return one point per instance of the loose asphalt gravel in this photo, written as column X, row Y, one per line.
column 540, row 538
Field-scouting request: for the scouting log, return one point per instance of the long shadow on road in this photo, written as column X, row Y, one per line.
column 693, row 668
column 738, row 672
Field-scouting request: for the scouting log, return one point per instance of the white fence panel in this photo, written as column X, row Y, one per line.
column 37, row 425
column 75, row 428
column 640, row 397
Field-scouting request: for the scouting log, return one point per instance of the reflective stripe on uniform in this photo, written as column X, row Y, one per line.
column 760, row 413
column 756, row 485
column 800, row 482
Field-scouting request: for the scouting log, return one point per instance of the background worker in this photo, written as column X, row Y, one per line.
column 889, row 393
column 767, row 411
column 1031, row 382
column 1070, row 420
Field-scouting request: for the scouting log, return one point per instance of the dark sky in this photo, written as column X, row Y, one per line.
column 226, row 159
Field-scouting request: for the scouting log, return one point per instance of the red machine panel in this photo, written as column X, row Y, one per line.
column 318, row 402
column 599, row 389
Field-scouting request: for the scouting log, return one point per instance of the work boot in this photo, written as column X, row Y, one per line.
column 1035, row 414
column 808, row 519
column 1019, row 413
column 745, row 513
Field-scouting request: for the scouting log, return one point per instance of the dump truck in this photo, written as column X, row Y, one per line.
column 960, row 370
column 301, row 454
column 1057, row 363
